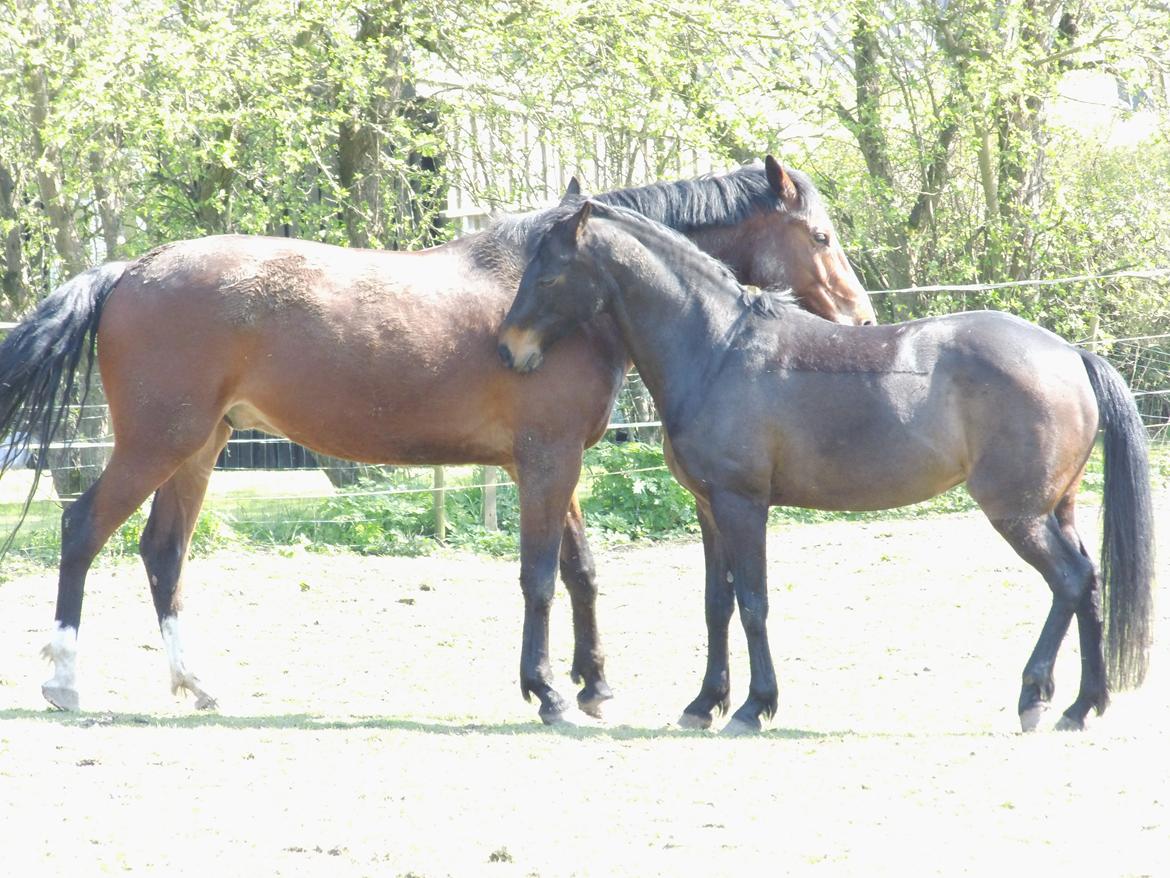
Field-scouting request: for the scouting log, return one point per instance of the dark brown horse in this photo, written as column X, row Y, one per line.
column 371, row 356
column 764, row 406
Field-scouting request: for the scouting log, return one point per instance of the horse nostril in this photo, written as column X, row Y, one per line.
column 868, row 323
column 505, row 354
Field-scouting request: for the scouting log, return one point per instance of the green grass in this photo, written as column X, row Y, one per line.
column 626, row 493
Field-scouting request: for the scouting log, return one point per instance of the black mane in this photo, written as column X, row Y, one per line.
column 711, row 200
column 771, row 302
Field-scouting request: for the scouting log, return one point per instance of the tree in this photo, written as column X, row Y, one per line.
column 925, row 123
column 950, row 173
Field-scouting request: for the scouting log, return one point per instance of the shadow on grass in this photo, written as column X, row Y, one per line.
column 309, row 723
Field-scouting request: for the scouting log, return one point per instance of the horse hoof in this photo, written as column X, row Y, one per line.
column 739, row 728
column 592, row 708
column 591, row 698
column 558, row 721
column 61, row 698
column 206, row 702
column 552, row 708
column 553, row 716
column 1030, row 718
column 1067, row 724
column 694, row 721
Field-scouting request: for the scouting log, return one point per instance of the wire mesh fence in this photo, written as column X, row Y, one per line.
column 270, row 491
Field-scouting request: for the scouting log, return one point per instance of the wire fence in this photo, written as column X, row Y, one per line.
column 268, row 481
column 1136, row 274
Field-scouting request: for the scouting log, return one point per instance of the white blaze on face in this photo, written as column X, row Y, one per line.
column 62, row 652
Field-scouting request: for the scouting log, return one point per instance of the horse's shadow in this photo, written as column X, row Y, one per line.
column 312, row 723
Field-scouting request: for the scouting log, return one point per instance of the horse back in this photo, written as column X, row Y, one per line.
column 837, row 417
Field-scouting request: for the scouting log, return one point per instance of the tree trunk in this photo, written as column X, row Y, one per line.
column 360, row 145
column 13, row 289
column 74, row 469
column 871, row 140
column 106, row 204
column 210, row 193
column 61, row 213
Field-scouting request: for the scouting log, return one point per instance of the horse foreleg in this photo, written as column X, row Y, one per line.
column 720, row 604
column 580, row 578
column 86, row 524
column 545, row 476
column 164, row 544
column 741, row 524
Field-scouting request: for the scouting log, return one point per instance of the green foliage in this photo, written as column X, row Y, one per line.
column 40, row 537
column 933, row 130
column 391, row 516
column 628, row 494
column 963, row 163
column 212, row 532
column 377, row 524
column 464, row 521
column 632, row 493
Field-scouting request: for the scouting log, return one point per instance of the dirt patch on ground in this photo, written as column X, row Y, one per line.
column 371, row 723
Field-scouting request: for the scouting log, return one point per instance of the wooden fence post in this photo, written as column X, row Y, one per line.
column 440, row 501
column 490, row 476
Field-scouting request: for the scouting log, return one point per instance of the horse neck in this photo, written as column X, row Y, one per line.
column 727, row 244
column 678, row 314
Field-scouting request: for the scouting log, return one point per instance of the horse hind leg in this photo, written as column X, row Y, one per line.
column 163, row 546
column 1043, row 542
column 86, row 525
column 1094, row 690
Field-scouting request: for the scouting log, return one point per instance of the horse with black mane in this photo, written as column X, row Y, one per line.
column 765, row 406
column 373, row 356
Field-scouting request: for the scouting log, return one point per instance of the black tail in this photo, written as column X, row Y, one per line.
column 1127, row 532
column 39, row 362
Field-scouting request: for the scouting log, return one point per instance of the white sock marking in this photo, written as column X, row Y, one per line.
column 181, row 678
column 62, row 652
column 173, row 644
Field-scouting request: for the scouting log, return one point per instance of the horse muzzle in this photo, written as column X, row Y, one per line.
column 519, row 349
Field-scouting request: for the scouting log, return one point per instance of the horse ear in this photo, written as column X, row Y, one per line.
column 780, row 182
column 580, row 218
column 572, row 191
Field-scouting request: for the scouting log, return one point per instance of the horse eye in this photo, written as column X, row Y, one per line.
column 821, row 238
column 546, row 281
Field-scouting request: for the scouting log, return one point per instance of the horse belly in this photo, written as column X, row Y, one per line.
column 376, row 416
column 861, row 444
column 821, row 487
column 447, row 402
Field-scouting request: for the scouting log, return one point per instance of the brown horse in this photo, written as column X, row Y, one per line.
column 372, row 356
column 763, row 406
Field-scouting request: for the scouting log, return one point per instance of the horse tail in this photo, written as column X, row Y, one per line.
column 39, row 362
column 1127, row 532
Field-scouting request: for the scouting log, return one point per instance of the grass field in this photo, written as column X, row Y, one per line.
column 371, row 724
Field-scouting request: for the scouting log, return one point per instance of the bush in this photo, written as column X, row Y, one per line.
column 631, row 492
